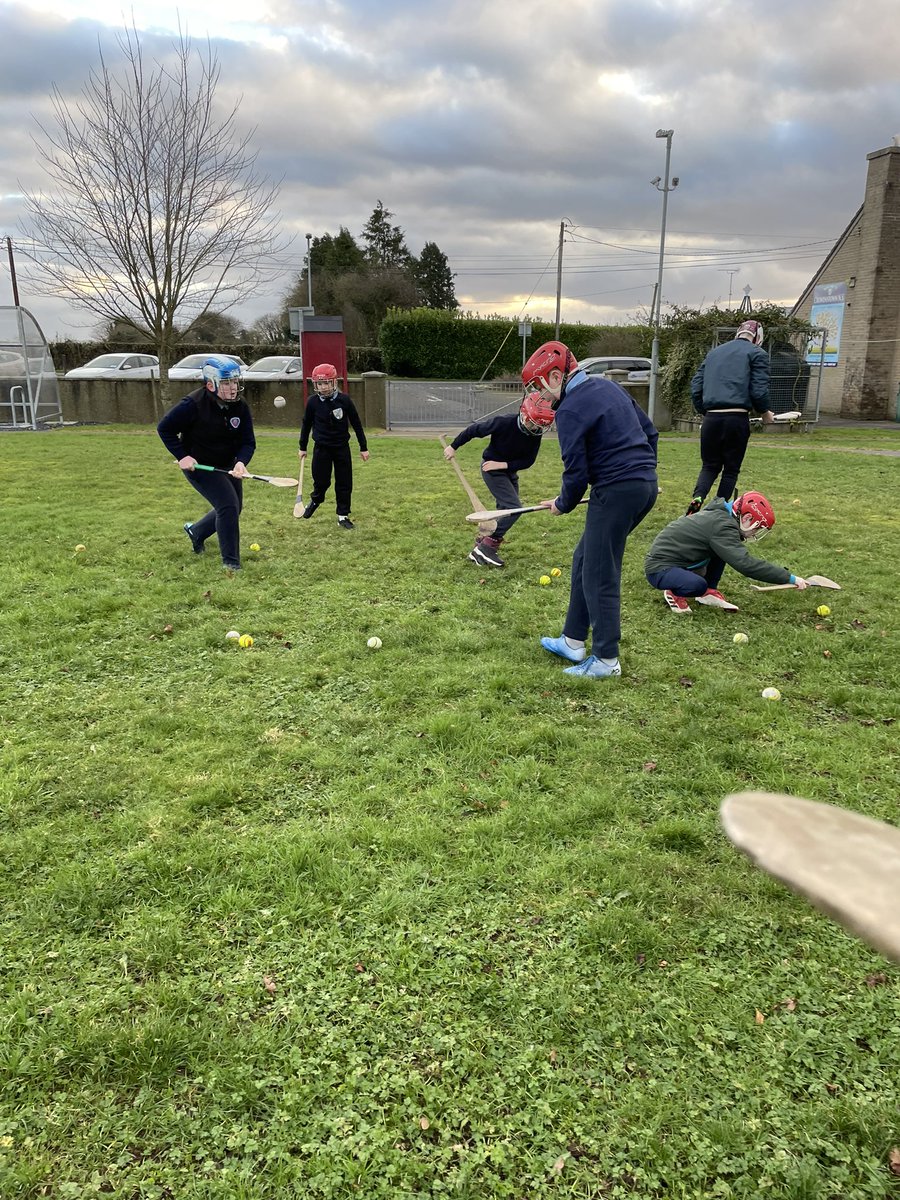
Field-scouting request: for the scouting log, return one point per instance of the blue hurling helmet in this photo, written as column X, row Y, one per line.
column 217, row 369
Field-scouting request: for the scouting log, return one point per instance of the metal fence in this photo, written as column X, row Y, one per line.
column 29, row 395
column 447, row 405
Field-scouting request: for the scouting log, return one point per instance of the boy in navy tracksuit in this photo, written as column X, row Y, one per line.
column 328, row 416
column 515, row 440
column 608, row 445
column 213, row 427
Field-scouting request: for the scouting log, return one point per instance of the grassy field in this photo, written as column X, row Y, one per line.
column 311, row 921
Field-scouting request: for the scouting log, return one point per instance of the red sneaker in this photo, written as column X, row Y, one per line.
column 678, row 604
column 716, row 600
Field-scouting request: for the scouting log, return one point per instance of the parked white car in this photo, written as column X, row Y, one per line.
column 638, row 368
column 276, row 366
column 192, row 366
column 118, row 366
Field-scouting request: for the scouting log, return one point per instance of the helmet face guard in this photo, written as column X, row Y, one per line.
column 751, row 331
column 536, row 413
column 755, row 516
column 218, row 370
column 324, row 378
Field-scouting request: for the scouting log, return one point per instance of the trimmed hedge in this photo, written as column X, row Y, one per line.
column 426, row 343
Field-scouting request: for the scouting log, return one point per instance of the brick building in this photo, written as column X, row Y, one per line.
column 856, row 294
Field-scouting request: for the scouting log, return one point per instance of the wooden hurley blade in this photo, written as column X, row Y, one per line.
column 815, row 580
column 822, row 581
column 848, row 865
column 284, row 481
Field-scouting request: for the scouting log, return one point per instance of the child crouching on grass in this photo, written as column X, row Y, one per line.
column 687, row 558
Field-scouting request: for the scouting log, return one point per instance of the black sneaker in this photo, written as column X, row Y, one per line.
column 486, row 555
column 694, row 507
column 197, row 548
column 310, row 508
column 345, row 523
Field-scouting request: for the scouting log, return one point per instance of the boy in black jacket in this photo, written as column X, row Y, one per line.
column 515, row 440
column 328, row 416
column 213, row 427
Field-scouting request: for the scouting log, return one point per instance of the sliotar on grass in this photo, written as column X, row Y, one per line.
column 302, row 920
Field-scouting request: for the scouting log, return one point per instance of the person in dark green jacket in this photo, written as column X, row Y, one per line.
column 687, row 558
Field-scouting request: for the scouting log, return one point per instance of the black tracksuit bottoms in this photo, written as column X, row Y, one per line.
column 338, row 458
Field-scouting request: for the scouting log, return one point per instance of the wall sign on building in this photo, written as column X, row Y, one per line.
column 827, row 313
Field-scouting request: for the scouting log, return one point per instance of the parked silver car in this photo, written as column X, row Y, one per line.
column 192, row 366
column 276, row 366
column 118, row 366
column 638, row 368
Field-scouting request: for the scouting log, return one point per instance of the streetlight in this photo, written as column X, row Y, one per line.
column 657, row 299
column 309, row 270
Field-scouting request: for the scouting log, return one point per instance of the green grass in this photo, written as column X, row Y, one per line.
column 510, row 953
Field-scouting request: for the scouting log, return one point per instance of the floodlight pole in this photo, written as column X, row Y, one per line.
column 309, row 269
column 657, row 306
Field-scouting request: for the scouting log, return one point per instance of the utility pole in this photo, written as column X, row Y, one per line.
column 12, row 271
column 730, row 272
column 562, row 226
column 665, row 189
column 309, row 269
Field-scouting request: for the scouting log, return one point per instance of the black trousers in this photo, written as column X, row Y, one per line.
column 226, row 495
column 723, row 444
column 504, row 487
column 324, row 460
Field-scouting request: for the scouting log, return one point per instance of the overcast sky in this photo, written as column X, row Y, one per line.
column 482, row 124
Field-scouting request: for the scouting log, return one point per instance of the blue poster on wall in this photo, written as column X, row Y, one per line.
column 827, row 313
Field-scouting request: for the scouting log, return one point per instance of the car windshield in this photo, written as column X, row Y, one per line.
column 269, row 364
column 193, row 360
column 107, row 360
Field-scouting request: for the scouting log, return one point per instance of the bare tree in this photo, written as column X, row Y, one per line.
column 157, row 211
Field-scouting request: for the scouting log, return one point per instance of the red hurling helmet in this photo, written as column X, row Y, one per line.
column 549, row 357
column 754, row 514
column 751, row 331
column 325, row 373
column 536, row 413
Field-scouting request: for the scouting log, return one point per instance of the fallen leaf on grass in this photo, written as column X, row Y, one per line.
column 789, row 1005
column 424, row 1123
column 826, row 654
column 649, row 766
column 854, row 624
column 759, row 1018
column 168, row 629
column 894, row 1160
column 685, row 682
column 876, row 979
column 270, row 985
column 559, row 1164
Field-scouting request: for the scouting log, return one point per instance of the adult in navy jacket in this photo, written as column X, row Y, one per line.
column 214, row 428
column 608, row 445
column 731, row 383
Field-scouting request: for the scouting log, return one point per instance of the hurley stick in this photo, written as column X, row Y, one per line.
column 494, row 514
column 848, row 865
column 815, row 580
column 298, row 502
column 274, row 480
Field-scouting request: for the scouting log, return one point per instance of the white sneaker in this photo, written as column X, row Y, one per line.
column 716, row 600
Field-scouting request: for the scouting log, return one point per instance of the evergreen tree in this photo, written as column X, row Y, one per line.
column 434, row 278
column 385, row 245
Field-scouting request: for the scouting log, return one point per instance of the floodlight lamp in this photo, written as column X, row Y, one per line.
column 664, row 133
